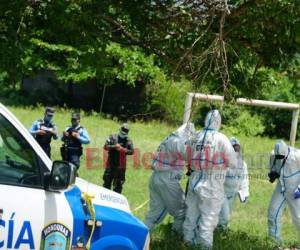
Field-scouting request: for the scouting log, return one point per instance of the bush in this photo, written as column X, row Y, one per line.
column 246, row 124
column 168, row 98
column 280, row 88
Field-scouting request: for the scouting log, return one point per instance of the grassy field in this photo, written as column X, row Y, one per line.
column 248, row 229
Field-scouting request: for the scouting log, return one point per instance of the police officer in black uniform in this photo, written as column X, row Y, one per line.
column 118, row 146
column 44, row 130
column 73, row 137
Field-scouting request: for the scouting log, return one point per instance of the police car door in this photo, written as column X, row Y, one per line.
column 30, row 217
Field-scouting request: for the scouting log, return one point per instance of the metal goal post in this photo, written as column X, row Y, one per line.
column 243, row 101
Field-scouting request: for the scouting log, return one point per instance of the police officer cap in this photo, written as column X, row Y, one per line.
column 49, row 110
column 76, row 116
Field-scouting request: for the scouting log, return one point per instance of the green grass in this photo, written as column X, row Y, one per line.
column 248, row 229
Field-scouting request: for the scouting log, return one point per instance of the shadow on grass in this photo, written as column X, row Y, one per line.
column 162, row 238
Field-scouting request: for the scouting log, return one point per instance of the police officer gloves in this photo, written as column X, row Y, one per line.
column 273, row 176
column 297, row 193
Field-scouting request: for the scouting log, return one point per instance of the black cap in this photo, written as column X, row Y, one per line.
column 76, row 116
column 49, row 111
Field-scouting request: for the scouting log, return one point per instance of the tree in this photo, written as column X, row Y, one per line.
column 219, row 45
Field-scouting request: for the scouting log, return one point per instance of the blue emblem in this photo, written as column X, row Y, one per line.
column 55, row 236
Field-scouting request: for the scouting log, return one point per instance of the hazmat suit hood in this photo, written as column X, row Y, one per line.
column 281, row 148
column 185, row 131
column 213, row 120
column 234, row 141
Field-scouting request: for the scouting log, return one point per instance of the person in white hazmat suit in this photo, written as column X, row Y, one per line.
column 236, row 184
column 166, row 194
column 284, row 166
column 212, row 153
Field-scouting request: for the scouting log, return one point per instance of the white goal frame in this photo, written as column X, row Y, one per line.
column 243, row 101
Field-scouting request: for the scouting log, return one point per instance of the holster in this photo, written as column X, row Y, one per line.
column 64, row 152
column 75, row 151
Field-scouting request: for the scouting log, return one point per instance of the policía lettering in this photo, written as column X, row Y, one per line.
column 24, row 236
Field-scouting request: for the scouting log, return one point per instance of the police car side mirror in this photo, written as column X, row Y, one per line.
column 62, row 176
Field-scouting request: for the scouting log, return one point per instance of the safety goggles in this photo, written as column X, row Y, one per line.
column 279, row 157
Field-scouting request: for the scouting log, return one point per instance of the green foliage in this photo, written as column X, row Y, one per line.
column 280, row 86
column 70, row 37
column 275, row 85
column 245, row 124
column 130, row 65
column 156, row 43
column 70, row 68
column 168, row 97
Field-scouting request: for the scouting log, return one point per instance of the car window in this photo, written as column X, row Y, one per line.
column 19, row 164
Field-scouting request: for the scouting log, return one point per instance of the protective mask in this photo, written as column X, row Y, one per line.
column 278, row 164
column 75, row 123
column 123, row 134
column 47, row 119
column 273, row 176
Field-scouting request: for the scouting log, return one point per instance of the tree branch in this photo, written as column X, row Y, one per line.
column 134, row 40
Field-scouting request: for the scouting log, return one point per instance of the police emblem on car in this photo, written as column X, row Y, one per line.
column 55, row 236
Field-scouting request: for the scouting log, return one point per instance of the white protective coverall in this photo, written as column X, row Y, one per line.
column 212, row 153
column 236, row 184
column 289, row 170
column 166, row 194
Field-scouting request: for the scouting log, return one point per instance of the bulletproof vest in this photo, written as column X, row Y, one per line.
column 114, row 155
column 46, row 138
column 70, row 140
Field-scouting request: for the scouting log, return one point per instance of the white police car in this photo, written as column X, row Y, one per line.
column 40, row 209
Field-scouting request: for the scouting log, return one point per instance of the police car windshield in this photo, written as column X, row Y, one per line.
column 18, row 161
